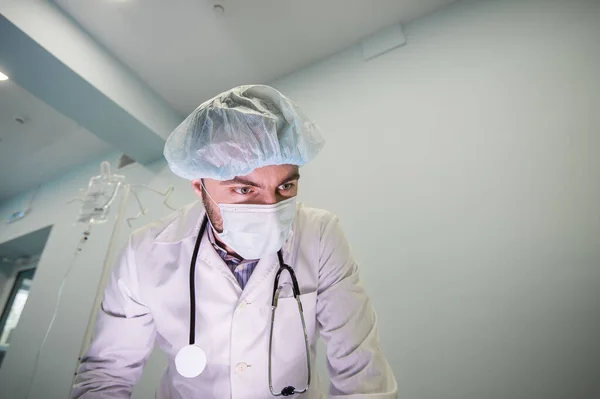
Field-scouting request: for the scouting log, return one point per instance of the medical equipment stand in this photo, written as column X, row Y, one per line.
column 108, row 261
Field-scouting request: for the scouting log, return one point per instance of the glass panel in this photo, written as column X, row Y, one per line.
column 14, row 307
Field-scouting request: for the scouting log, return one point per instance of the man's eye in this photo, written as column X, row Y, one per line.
column 286, row 186
column 243, row 190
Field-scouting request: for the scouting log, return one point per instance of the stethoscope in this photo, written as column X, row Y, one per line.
column 190, row 361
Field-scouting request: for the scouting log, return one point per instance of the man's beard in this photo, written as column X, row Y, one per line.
column 212, row 211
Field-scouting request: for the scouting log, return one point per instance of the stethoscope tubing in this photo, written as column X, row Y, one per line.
column 289, row 390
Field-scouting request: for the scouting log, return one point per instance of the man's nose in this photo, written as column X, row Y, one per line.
column 271, row 198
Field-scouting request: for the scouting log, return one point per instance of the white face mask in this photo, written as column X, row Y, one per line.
column 255, row 231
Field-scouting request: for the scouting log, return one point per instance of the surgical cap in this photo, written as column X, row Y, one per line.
column 242, row 129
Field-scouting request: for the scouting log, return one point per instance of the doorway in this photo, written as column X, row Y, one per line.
column 18, row 262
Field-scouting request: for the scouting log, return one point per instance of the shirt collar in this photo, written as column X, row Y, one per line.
column 220, row 250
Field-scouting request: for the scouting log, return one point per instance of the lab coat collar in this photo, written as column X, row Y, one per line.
column 186, row 223
column 182, row 224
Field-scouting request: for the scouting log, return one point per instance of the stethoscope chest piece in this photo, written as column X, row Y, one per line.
column 190, row 361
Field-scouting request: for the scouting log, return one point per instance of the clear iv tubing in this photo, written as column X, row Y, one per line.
column 98, row 293
column 108, row 260
column 143, row 210
column 105, row 272
column 55, row 313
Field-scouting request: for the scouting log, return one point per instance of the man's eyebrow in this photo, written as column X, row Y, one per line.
column 247, row 182
column 291, row 177
column 240, row 180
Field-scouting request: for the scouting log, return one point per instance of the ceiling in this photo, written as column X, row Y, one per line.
column 188, row 52
column 46, row 146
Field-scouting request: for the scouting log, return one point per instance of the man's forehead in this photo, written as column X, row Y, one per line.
column 273, row 170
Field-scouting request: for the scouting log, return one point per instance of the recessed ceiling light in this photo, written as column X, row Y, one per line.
column 3, row 76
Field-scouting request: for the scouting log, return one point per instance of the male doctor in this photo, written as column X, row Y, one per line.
column 201, row 282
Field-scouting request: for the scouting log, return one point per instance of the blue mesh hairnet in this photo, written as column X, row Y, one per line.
column 242, row 129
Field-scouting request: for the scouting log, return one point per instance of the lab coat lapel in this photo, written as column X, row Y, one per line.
column 187, row 226
column 185, row 229
column 260, row 277
column 209, row 256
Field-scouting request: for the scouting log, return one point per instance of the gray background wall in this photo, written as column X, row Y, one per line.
column 464, row 168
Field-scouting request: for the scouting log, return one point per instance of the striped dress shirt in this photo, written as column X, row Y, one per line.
column 241, row 268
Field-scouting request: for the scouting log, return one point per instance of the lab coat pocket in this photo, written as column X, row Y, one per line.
column 288, row 350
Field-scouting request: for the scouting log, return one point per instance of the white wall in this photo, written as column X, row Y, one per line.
column 464, row 169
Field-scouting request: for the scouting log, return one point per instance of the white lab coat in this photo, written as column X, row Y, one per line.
column 147, row 301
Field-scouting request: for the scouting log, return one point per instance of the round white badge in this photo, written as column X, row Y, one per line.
column 190, row 361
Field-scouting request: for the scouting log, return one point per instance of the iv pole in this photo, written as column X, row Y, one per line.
column 108, row 261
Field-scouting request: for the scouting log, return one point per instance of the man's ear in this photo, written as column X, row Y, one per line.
column 197, row 186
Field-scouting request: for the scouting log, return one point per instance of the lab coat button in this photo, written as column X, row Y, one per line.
column 241, row 367
column 243, row 304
